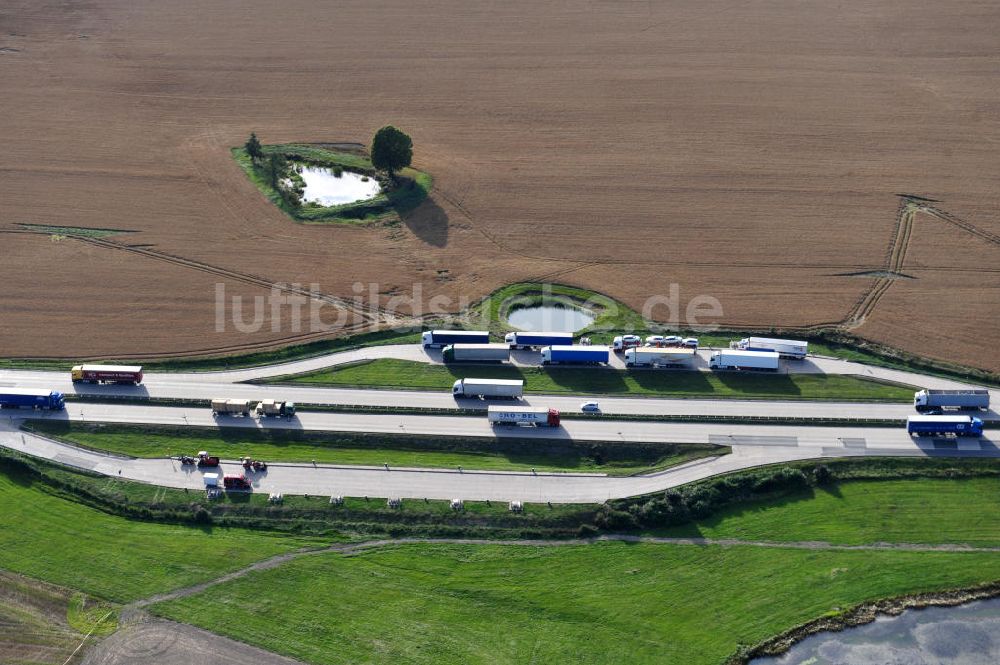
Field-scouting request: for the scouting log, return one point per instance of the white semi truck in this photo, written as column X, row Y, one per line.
column 734, row 359
column 525, row 416
column 649, row 356
column 476, row 353
column 488, row 388
column 786, row 348
column 930, row 401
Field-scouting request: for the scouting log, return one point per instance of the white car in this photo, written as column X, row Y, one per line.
column 590, row 407
column 672, row 340
column 654, row 340
column 691, row 342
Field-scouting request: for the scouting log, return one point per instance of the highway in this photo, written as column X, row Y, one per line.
column 752, row 445
column 209, row 385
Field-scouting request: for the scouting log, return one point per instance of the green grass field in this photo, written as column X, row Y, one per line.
column 393, row 373
column 900, row 511
column 607, row 603
column 65, row 543
column 375, row 450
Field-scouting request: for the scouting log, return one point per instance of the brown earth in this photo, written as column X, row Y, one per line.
column 33, row 626
column 748, row 150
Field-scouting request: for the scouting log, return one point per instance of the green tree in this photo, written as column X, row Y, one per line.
column 276, row 167
column 253, row 148
column 392, row 150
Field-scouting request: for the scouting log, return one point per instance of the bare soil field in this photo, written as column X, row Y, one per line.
column 159, row 642
column 749, row 151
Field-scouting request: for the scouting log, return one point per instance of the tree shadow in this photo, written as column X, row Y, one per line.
column 428, row 221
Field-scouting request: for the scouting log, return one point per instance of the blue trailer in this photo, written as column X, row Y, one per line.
column 527, row 340
column 579, row 355
column 31, row 398
column 441, row 338
column 942, row 425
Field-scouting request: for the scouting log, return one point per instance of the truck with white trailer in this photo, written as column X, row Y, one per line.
column 649, row 356
column 944, row 425
column 938, row 401
column 488, row 388
column 735, row 359
column 576, row 355
column 526, row 416
column 786, row 348
column 476, row 353
column 531, row 340
column 230, row 407
column 274, row 408
column 436, row 339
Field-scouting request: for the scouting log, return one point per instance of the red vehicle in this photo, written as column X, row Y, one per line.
column 204, row 459
column 236, row 483
column 107, row 374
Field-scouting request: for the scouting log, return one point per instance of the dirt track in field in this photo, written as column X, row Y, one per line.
column 750, row 151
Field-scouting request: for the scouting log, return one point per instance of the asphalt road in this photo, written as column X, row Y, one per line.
column 752, row 446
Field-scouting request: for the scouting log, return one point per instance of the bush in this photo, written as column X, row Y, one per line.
column 587, row 531
column 822, row 475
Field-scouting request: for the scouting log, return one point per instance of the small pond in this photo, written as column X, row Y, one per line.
column 323, row 187
column 964, row 635
column 551, row 318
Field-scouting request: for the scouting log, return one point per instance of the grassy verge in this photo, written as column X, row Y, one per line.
column 377, row 449
column 411, row 189
column 393, row 373
column 255, row 359
column 46, row 536
column 605, row 603
column 918, row 510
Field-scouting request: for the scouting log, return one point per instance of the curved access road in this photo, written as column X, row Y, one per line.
column 751, row 445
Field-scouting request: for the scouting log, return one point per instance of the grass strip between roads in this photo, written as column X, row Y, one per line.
column 506, row 454
column 394, row 373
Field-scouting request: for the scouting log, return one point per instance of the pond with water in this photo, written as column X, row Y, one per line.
column 326, row 189
column 963, row 635
column 550, row 318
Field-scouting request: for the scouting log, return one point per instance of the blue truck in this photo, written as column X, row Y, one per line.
column 943, row 425
column 579, row 355
column 442, row 338
column 528, row 340
column 31, row 398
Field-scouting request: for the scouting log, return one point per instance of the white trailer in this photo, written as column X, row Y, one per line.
column 733, row 359
column 230, row 407
column 927, row 401
column 473, row 353
column 487, row 388
column 526, row 416
column 786, row 348
column 646, row 356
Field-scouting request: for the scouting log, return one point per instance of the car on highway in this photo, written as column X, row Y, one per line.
column 590, row 407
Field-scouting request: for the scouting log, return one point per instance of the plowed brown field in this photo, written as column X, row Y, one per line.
column 748, row 150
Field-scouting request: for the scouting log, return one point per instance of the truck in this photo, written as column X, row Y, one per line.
column 527, row 416
column 767, row 360
column 230, row 407
column 106, row 374
column 236, row 482
column 647, row 356
column 272, row 407
column 936, row 401
column 31, row 398
column 486, row 388
column 580, row 355
column 943, row 425
column 786, row 348
column 624, row 342
column 435, row 339
column 530, row 340
column 476, row 353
